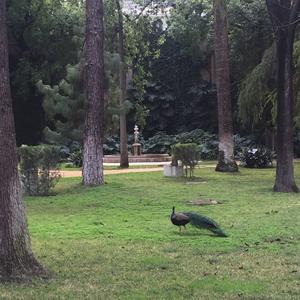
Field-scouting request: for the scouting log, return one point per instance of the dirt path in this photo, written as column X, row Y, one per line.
column 67, row 174
column 109, row 172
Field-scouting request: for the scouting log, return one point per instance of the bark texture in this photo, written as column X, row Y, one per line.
column 16, row 258
column 122, row 82
column 284, row 15
column 226, row 162
column 92, row 171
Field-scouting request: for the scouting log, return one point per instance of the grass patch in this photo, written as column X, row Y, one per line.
column 117, row 242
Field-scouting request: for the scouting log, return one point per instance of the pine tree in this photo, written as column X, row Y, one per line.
column 92, row 170
column 16, row 258
column 64, row 103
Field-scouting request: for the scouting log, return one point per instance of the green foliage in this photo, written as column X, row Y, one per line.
column 257, row 102
column 171, row 103
column 64, row 106
column 188, row 154
column 177, row 71
column 190, row 25
column 207, row 142
column 76, row 158
column 250, row 34
column 260, row 157
column 242, row 142
column 161, row 142
column 39, row 168
column 64, row 103
column 257, row 91
column 42, row 39
column 112, row 145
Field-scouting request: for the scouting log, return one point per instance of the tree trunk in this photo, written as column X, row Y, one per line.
column 16, row 258
column 283, row 16
column 92, row 171
column 226, row 161
column 122, row 80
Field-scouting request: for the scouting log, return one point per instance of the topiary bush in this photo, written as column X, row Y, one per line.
column 188, row 154
column 39, row 168
column 260, row 157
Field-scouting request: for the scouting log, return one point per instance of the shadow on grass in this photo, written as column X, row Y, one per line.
column 193, row 233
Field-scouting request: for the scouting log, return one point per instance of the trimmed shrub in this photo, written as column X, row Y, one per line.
column 39, row 168
column 188, row 154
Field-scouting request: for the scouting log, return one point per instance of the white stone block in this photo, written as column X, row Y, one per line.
column 173, row 171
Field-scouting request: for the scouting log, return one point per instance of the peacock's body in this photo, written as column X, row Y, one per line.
column 197, row 220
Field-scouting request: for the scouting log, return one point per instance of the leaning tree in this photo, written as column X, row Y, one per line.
column 92, row 171
column 284, row 18
column 17, row 261
column 226, row 162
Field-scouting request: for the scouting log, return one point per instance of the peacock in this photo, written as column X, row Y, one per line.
column 197, row 220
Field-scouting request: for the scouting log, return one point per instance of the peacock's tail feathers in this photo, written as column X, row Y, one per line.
column 204, row 222
column 219, row 232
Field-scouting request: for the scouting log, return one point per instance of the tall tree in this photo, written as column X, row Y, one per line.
column 122, row 81
column 284, row 18
column 92, row 170
column 16, row 258
column 226, row 161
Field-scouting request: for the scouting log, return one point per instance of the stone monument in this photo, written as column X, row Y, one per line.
column 136, row 146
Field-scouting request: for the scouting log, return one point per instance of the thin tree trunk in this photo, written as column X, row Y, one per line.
column 122, row 79
column 226, row 161
column 16, row 258
column 92, row 171
column 283, row 16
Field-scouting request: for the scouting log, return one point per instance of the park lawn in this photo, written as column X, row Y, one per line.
column 117, row 242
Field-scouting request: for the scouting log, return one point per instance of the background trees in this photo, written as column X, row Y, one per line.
column 42, row 41
column 169, row 48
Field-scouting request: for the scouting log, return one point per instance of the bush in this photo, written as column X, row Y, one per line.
column 39, row 168
column 162, row 143
column 76, row 158
column 111, row 145
column 68, row 165
column 260, row 157
column 188, row 154
column 242, row 142
column 159, row 144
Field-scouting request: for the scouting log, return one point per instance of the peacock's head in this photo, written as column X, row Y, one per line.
column 173, row 209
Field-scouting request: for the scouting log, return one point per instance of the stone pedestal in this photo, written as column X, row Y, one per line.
column 136, row 149
column 173, row 171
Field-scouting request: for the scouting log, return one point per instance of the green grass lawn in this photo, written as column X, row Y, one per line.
column 117, row 242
